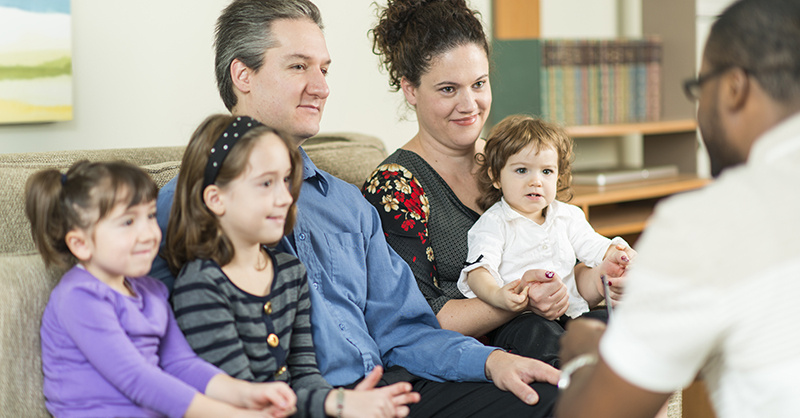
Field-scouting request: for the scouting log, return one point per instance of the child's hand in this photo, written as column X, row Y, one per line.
column 275, row 399
column 615, row 266
column 367, row 401
column 513, row 296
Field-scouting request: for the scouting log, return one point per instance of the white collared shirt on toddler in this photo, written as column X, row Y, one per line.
column 508, row 244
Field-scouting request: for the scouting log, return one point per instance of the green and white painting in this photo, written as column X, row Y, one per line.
column 35, row 61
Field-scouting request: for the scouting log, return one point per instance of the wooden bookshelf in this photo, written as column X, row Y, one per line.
column 644, row 128
column 623, row 209
column 620, row 209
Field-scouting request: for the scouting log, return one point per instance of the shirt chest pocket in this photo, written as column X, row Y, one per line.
column 347, row 266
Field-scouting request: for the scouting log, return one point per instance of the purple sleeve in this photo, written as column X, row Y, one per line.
column 179, row 360
column 90, row 319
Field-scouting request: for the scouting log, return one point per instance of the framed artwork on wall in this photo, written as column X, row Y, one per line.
column 35, row 61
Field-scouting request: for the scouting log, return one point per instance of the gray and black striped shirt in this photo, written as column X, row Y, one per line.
column 236, row 330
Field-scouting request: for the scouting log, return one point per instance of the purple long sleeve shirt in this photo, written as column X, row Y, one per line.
column 107, row 354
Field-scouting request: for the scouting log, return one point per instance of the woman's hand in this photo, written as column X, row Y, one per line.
column 368, row 401
column 547, row 295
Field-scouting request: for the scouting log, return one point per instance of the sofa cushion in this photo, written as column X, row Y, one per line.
column 26, row 289
column 63, row 159
column 15, row 236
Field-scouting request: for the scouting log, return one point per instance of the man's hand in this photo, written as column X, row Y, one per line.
column 547, row 295
column 514, row 373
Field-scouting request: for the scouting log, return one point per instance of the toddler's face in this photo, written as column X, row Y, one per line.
column 124, row 243
column 529, row 181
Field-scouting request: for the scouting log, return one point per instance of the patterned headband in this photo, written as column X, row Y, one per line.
column 223, row 146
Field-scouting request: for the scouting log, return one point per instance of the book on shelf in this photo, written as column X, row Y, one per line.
column 578, row 81
column 622, row 175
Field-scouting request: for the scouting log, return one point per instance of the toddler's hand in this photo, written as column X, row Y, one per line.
column 615, row 266
column 513, row 296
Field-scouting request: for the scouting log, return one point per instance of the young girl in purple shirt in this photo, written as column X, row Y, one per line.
column 110, row 343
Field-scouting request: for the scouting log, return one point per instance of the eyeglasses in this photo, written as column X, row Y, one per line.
column 691, row 86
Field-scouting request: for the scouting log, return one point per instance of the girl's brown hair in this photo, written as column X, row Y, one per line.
column 512, row 135
column 194, row 231
column 411, row 33
column 56, row 203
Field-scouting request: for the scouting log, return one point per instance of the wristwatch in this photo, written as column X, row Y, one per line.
column 573, row 365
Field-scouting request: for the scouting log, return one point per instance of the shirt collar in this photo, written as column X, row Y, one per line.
column 512, row 214
column 777, row 143
column 312, row 175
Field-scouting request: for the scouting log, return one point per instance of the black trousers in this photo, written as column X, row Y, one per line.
column 532, row 336
column 528, row 335
column 470, row 399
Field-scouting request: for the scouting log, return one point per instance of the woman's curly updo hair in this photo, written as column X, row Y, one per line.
column 410, row 33
column 512, row 135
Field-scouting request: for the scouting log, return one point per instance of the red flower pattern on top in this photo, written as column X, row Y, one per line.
column 403, row 198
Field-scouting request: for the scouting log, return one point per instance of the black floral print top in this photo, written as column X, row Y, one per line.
column 424, row 222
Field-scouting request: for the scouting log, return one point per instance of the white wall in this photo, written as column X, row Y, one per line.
column 143, row 76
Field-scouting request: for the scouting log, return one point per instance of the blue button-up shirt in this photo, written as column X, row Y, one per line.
column 366, row 308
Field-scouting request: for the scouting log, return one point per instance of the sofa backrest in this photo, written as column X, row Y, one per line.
column 349, row 156
column 25, row 282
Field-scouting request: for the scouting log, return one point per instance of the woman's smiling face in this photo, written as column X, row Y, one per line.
column 453, row 98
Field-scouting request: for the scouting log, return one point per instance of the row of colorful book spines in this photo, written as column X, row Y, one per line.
column 599, row 52
column 584, row 98
column 594, row 109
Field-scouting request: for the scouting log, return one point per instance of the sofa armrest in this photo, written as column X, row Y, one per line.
column 26, row 289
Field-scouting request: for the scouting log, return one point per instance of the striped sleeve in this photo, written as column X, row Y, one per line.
column 205, row 315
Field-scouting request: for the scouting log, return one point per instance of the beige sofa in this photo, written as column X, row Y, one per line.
column 25, row 284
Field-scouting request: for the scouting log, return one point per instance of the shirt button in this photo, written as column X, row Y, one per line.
column 272, row 340
column 341, row 327
column 316, row 285
column 302, row 236
column 280, row 371
column 268, row 308
column 544, row 246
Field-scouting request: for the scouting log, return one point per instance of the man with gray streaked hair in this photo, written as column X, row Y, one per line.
column 244, row 32
column 261, row 84
column 367, row 309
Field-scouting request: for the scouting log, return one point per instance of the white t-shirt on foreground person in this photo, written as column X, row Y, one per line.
column 749, row 247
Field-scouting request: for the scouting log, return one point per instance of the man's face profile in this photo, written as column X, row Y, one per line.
column 289, row 91
column 721, row 151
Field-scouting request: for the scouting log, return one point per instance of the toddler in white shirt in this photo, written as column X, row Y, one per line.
column 525, row 166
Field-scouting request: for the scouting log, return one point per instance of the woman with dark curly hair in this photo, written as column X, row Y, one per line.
column 436, row 53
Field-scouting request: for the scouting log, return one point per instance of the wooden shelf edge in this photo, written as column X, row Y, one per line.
column 639, row 190
column 618, row 230
column 644, row 128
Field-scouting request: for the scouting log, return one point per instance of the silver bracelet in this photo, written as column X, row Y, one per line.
column 576, row 363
